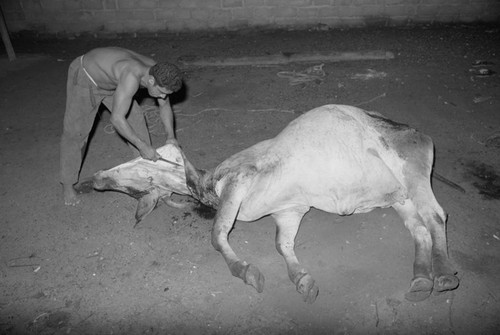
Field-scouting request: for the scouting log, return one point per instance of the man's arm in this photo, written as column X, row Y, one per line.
column 122, row 100
column 167, row 117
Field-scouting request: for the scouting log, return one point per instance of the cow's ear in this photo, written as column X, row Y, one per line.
column 146, row 205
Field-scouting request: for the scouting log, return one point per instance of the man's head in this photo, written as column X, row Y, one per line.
column 167, row 76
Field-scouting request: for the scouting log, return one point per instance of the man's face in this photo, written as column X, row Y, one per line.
column 158, row 92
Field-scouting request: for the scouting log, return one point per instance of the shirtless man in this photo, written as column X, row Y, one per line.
column 112, row 76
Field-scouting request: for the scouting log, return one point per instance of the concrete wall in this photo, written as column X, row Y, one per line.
column 104, row 16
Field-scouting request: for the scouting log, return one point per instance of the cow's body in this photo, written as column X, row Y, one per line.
column 339, row 159
column 331, row 161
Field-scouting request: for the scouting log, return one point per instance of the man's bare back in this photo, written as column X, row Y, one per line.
column 107, row 65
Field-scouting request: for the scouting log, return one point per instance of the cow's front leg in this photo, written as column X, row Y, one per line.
column 287, row 225
column 230, row 202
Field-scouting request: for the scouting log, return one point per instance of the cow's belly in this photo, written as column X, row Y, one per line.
column 345, row 202
column 359, row 199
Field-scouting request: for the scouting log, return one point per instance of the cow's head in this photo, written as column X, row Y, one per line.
column 133, row 178
column 145, row 180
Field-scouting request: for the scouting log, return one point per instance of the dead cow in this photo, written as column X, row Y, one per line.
column 339, row 159
column 147, row 181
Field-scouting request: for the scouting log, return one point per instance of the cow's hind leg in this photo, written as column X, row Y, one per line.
column 425, row 218
column 224, row 221
column 287, row 225
column 422, row 283
column 434, row 219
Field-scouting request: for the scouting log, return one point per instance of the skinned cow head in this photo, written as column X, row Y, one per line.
column 147, row 181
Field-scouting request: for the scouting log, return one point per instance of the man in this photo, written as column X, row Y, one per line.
column 112, row 76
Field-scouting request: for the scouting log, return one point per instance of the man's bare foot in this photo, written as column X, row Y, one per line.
column 70, row 197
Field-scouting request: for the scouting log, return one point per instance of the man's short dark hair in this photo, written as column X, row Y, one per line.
column 167, row 75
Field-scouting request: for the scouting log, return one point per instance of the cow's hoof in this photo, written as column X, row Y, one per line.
column 446, row 283
column 420, row 289
column 307, row 287
column 254, row 277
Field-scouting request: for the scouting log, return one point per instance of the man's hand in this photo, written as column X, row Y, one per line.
column 147, row 152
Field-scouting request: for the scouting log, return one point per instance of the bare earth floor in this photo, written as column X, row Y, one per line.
column 87, row 270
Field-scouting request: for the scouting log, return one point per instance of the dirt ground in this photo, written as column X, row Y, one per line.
column 87, row 270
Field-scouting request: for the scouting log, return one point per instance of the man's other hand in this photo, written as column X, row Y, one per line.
column 149, row 153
